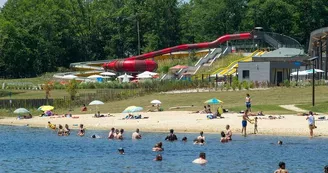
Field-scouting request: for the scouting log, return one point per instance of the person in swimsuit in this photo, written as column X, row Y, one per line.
column 81, row 130
column 244, row 123
column 60, row 130
column 311, row 122
column 67, row 130
column 121, row 151
column 158, row 147
column 201, row 136
column 51, row 126
column 282, row 168
column 120, row 135
column 228, row 133
column 201, row 160
column 248, row 102
column 136, row 135
column 111, row 133
column 184, row 139
column 158, row 158
column 171, row 136
column 255, row 126
column 223, row 137
column 325, row 169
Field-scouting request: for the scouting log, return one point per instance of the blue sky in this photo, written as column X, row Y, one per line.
column 2, row 2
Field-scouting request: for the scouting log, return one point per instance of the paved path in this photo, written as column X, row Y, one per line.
column 293, row 108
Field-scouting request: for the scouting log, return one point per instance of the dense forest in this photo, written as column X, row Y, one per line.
column 42, row 35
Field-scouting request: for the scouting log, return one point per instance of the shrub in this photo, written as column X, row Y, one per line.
column 245, row 85
column 257, row 84
column 286, row 83
column 251, row 84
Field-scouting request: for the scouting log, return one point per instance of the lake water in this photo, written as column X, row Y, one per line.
column 25, row 149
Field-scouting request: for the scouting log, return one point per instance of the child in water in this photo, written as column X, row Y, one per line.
column 81, row 130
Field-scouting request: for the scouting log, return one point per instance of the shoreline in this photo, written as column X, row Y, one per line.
column 182, row 122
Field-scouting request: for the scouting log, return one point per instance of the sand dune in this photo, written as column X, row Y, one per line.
column 182, row 121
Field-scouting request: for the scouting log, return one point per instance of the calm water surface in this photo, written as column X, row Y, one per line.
column 25, row 149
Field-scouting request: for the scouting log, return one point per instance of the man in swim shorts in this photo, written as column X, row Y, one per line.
column 244, row 123
column 248, row 102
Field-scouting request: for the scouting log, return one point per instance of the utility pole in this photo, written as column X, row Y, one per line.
column 138, row 31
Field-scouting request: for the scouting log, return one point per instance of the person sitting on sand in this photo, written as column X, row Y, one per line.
column 201, row 159
column 84, row 108
column 136, row 135
column 282, row 168
column 171, row 136
column 81, row 130
column 260, row 113
column 60, row 130
column 199, row 142
column 51, row 126
column 158, row 147
column 66, row 130
column 223, row 137
column 158, row 158
column 111, row 134
column 208, row 110
column 29, row 116
column 228, row 133
column 120, row 135
column 201, row 136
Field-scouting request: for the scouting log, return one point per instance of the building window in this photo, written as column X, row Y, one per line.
column 245, row 74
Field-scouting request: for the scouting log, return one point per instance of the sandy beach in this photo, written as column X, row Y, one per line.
column 182, row 122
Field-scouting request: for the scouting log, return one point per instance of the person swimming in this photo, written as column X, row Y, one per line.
column 67, row 130
column 228, row 133
column 171, row 136
column 201, row 136
column 94, row 136
column 158, row 158
column 51, row 126
column 136, row 134
column 199, row 142
column 223, row 137
column 158, row 147
column 184, row 139
column 121, row 151
column 60, row 130
column 279, row 142
column 111, row 134
column 282, row 168
column 81, row 130
column 201, row 160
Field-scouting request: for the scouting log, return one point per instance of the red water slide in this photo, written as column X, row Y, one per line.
column 140, row 63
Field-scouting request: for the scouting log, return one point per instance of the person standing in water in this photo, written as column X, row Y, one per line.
column 248, row 102
column 201, row 160
column 171, row 136
column 136, row 135
column 244, row 123
column 228, row 133
column 311, row 122
column 282, row 168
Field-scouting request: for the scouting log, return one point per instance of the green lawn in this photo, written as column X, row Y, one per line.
column 267, row 101
column 321, row 107
column 36, row 80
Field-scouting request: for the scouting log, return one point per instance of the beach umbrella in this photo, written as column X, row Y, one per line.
column 107, row 74
column 132, row 109
column 21, row 111
column 147, row 73
column 213, row 101
column 96, row 102
column 45, row 108
column 156, row 102
column 125, row 75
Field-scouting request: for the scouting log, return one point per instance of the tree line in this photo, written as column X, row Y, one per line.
column 42, row 35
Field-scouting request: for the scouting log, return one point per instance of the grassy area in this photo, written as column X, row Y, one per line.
column 37, row 80
column 165, row 64
column 221, row 62
column 321, row 107
column 267, row 101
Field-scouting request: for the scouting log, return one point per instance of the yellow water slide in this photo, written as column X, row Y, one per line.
column 231, row 68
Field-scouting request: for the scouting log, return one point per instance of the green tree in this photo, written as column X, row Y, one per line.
column 72, row 88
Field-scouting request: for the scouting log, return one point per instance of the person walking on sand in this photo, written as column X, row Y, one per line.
column 282, row 168
column 311, row 122
column 244, row 123
column 248, row 102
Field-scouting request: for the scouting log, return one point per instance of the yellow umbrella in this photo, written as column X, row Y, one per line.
column 45, row 108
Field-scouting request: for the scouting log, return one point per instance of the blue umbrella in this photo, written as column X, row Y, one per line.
column 213, row 101
column 131, row 109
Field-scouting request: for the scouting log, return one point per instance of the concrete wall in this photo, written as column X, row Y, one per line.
column 258, row 71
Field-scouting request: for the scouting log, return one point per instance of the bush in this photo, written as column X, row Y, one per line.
column 251, row 85
column 245, row 85
column 293, row 83
column 286, row 83
column 257, row 84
